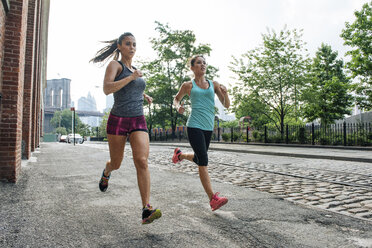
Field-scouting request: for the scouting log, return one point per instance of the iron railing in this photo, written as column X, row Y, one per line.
column 345, row 134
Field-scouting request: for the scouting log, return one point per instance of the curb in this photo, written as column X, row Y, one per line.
column 297, row 155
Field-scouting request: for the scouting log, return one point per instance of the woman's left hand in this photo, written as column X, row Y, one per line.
column 148, row 99
column 223, row 89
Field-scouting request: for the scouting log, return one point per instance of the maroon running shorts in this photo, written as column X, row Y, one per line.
column 125, row 125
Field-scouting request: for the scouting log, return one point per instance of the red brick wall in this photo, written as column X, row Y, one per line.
column 2, row 33
column 29, row 80
column 12, row 89
column 36, row 104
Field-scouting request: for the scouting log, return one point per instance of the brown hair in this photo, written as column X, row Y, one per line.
column 193, row 59
column 110, row 50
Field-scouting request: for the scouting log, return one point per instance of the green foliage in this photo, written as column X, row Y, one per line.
column 165, row 74
column 103, row 124
column 245, row 105
column 226, row 137
column 236, row 136
column 277, row 138
column 83, row 129
column 326, row 96
column 61, row 130
column 270, row 79
column 358, row 36
column 258, row 135
column 229, row 124
column 64, row 119
column 301, row 135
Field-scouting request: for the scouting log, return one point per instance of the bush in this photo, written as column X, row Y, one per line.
column 236, row 136
column 258, row 136
column 324, row 141
column 338, row 140
column 226, row 137
column 276, row 138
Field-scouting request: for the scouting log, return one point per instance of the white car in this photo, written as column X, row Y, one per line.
column 78, row 138
column 63, row 138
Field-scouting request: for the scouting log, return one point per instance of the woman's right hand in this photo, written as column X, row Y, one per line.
column 181, row 109
column 136, row 74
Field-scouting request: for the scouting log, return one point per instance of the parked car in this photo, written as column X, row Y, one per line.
column 63, row 138
column 78, row 138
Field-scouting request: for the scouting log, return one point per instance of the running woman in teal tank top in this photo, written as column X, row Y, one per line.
column 200, row 123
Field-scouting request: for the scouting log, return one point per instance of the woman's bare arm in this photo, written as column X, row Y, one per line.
column 111, row 86
column 221, row 92
column 184, row 90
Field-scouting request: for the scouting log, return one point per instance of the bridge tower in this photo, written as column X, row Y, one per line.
column 56, row 98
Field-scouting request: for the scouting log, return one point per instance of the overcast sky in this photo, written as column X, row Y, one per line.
column 231, row 27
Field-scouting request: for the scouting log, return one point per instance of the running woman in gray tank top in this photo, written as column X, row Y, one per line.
column 126, row 117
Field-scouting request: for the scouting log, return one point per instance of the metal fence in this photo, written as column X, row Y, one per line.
column 346, row 134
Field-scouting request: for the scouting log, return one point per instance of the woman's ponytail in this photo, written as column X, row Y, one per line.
column 111, row 50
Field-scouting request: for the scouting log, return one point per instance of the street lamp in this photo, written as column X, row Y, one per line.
column 73, row 121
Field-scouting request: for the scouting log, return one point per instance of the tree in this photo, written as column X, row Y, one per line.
column 64, row 119
column 326, row 96
column 168, row 71
column 61, row 130
column 103, row 124
column 358, row 36
column 83, row 129
column 248, row 106
column 270, row 78
column 229, row 124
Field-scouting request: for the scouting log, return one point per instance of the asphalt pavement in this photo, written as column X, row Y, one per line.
column 56, row 203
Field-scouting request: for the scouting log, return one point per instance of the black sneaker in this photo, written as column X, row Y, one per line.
column 103, row 183
column 149, row 214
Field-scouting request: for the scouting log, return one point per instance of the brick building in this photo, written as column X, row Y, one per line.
column 23, row 58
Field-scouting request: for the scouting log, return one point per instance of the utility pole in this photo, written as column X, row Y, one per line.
column 73, row 121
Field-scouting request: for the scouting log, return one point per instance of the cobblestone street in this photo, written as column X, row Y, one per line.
column 338, row 186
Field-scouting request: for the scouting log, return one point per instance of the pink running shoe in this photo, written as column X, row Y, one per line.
column 217, row 201
column 176, row 155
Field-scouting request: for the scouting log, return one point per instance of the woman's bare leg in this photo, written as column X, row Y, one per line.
column 139, row 142
column 187, row 156
column 203, row 174
column 116, row 147
column 205, row 180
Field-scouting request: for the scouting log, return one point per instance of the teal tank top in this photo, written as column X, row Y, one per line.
column 202, row 107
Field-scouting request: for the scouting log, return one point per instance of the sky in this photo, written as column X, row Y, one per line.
column 230, row 27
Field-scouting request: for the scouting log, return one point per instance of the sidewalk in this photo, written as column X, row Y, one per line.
column 57, row 203
column 363, row 154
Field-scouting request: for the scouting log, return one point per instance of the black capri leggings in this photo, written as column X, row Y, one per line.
column 199, row 141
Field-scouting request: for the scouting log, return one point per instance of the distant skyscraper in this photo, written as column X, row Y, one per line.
column 88, row 104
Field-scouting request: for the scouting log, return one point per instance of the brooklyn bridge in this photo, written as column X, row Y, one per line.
column 57, row 97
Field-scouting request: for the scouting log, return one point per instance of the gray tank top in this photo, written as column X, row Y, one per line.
column 128, row 101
